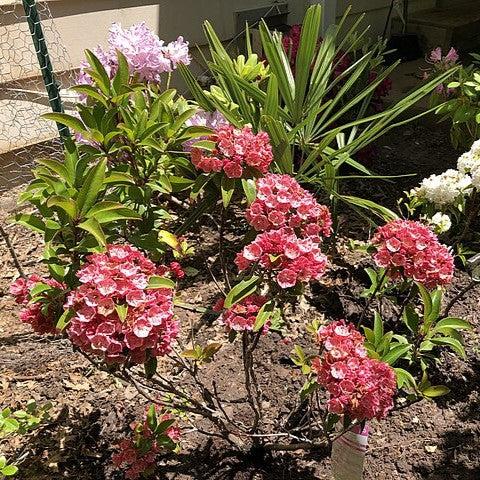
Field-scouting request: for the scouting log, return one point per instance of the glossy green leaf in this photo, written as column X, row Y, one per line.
column 91, row 187
column 93, row 227
column 241, row 290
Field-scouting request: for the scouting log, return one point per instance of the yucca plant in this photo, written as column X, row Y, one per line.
column 316, row 121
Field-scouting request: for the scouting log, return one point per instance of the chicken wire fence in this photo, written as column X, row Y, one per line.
column 32, row 82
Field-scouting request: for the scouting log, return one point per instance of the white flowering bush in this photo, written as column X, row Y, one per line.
column 450, row 203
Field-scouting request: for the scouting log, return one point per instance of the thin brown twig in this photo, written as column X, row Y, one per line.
column 12, row 251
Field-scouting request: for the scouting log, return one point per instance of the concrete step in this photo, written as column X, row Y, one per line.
column 457, row 26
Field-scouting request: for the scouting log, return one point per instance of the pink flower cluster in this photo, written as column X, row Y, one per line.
column 148, row 56
column 359, row 387
column 409, row 249
column 41, row 315
column 436, row 56
column 138, row 455
column 282, row 202
column 242, row 315
column 289, row 258
column 236, row 149
column 116, row 315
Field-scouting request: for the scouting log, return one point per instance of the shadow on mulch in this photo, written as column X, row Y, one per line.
column 211, row 463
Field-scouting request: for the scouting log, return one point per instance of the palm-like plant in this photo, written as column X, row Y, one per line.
column 316, row 121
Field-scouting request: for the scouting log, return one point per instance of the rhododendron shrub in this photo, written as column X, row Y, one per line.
column 235, row 151
column 42, row 300
column 147, row 56
column 359, row 387
column 117, row 314
column 408, row 249
column 137, row 455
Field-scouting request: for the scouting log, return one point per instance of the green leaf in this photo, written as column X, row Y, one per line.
column 64, row 203
column 306, row 51
column 91, row 186
column 227, row 187
column 107, row 211
column 452, row 322
column 56, row 167
column 123, row 73
column 63, row 118
column 122, row 312
column 9, row 470
column 264, row 315
column 426, row 299
column 31, row 221
column 241, row 290
column 205, row 145
column 411, row 318
column 396, row 353
column 435, row 391
column 249, row 189
column 404, row 378
column 454, row 344
column 271, row 102
column 93, row 227
column 160, row 282
column 383, row 212
column 39, row 288
column 378, row 328
column 91, row 92
column 169, row 238
column 370, row 336
column 98, row 72
column 62, row 322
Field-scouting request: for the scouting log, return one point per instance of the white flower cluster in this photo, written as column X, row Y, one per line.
column 470, row 161
column 440, row 222
column 446, row 188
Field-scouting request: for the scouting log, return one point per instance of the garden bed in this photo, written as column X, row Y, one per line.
column 429, row 440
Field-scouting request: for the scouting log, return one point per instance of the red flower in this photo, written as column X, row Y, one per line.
column 242, row 315
column 236, row 149
column 358, row 386
column 282, row 202
column 117, row 316
column 409, row 249
column 41, row 316
column 291, row 259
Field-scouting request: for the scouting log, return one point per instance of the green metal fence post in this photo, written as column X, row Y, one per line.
column 35, row 26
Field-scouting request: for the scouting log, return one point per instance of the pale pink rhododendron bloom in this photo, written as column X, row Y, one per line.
column 42, row 317
column 282, row 202
column 409, row 249
column 436, row 56
column 359, row 387
column 116, row 316
column 147, row 56
column 235, row 150
column 281, row 253
column 242, row 315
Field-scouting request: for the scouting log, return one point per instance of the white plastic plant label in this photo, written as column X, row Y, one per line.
column 348, row 454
